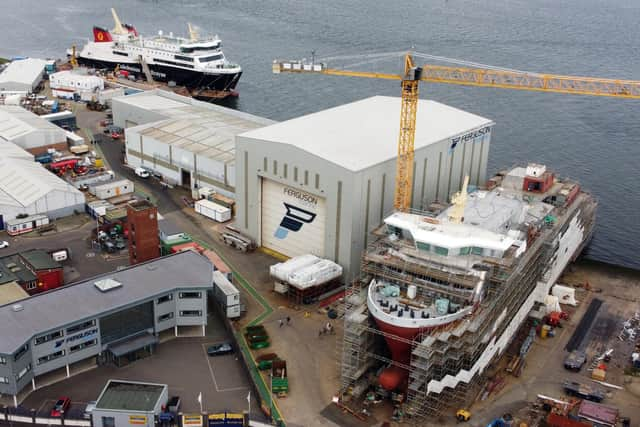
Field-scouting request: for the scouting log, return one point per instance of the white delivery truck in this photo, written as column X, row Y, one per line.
column 213, row 210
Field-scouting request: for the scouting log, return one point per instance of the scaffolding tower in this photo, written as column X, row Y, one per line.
column 448, row 350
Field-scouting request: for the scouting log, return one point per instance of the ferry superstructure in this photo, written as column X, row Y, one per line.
column 448, row 289
column 195, row 62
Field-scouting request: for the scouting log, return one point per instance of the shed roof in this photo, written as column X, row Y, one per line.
column 10, row 292
column 16, row 122
column 364, row 133
column 26, row 71
column 169, row 227
column 208, row 133
column 598, row 413
column 39, row 259
column 9, row 149
column 82, row 300
column 199, row 127
column 22, row 182
column 129, row 395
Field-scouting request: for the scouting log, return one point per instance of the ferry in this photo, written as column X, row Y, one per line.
column 197, row 63
column 451, row 286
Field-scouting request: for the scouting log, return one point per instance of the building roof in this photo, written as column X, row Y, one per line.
column 10, row 150
column 174, row 106
column 168, row 227
column 22, row 182
column 16, row 122
column 39, row 259
column 201, row 128
column 73, row 303
column 364, row 133
column 130, row 396
column 26, row 71
column 10, row 292
column 598, row 413
column 13, row 268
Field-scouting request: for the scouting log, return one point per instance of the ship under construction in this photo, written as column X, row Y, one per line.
column 444, row 291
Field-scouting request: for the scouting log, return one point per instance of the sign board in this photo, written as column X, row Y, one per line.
column 138, row 420
column 292, row 220
column 192, row 420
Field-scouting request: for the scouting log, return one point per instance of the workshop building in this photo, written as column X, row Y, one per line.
column 320, row 183
column 188, row 142
column 112, row 318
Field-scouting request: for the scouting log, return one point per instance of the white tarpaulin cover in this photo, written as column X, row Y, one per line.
column 315, row 274
column 551, row 303
column 282, row 270
column 565, row 294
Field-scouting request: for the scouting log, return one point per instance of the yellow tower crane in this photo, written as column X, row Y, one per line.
column 473, row 75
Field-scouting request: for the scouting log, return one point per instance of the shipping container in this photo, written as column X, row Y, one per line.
column 26, row 224
column 212, row 210
column 226, row 294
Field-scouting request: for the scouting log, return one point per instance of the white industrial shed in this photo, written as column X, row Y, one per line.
column 190, row 143
column 320, row 183
column 10, row 150
column 26, row 187
column 22, row 75
column 30, row 131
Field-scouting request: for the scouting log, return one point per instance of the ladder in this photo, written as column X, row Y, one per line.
column 145, row 69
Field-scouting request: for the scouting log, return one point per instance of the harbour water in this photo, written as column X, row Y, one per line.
column 594, row 140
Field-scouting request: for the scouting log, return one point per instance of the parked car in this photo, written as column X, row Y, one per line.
column 61, row 406
column 4, row 244
column 142, row 172
column 120, row 245
column 91, row 405
column 220, row 349
column 575, row 360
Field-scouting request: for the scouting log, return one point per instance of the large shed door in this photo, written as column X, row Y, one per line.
column 293, row 221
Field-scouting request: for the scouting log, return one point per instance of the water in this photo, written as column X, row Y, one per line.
column 594, row 140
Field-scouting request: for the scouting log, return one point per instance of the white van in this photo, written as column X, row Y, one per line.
column 142, row 173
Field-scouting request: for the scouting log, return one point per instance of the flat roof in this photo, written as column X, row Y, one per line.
column 171, row 105
column 130, row 396
column 26, row 71
column 39, row 259
column 169, row 227
column 76, row 302
column 199, row 127
column 10, row 292
column 364, row 133
column 13, row 268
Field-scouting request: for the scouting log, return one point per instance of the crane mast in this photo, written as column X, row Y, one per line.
column 406, row 140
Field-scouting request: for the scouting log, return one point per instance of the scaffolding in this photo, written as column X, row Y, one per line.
column 441, row 353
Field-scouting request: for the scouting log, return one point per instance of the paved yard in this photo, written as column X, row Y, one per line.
column 180, row 363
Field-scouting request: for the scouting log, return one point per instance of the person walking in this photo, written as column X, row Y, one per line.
column 280, row 322
column 288, row 320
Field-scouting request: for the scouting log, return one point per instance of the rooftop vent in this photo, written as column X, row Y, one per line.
column 106, row 285
column 17, row 307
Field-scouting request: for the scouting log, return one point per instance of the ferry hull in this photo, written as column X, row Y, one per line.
column 394, row 377
column 161, row 73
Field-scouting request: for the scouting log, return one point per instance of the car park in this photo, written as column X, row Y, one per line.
column 60, row 407
column 220, row 349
